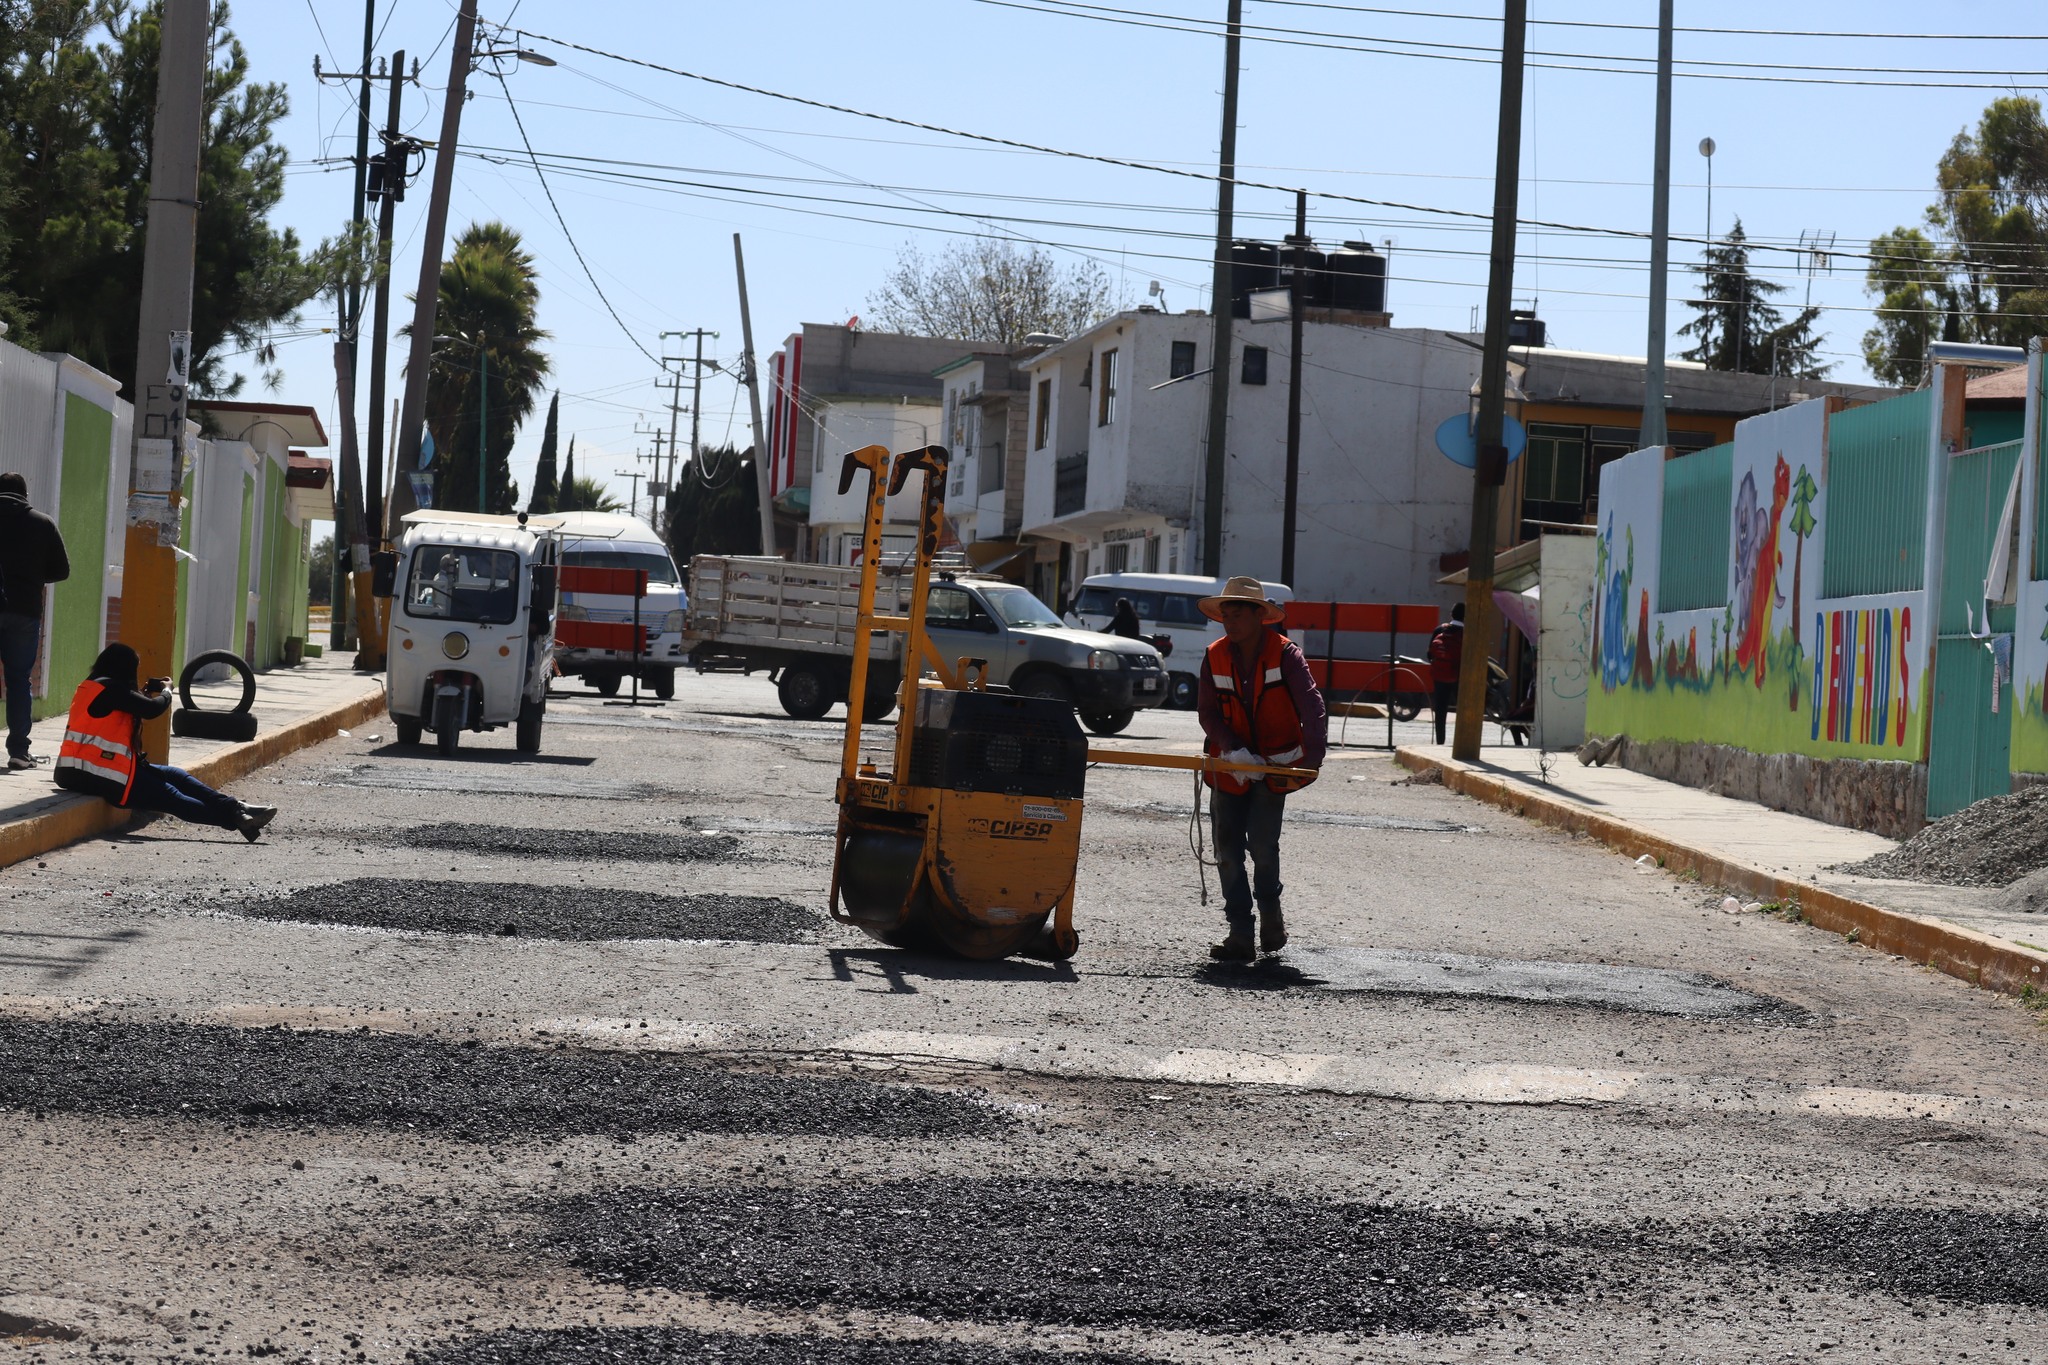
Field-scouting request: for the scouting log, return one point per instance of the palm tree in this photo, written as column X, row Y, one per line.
column 486, row 354
column 588, row 495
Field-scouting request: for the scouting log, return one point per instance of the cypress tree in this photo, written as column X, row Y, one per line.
column 544, row 482
column 565, row 495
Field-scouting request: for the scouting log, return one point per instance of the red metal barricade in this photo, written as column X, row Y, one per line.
column 627, row 637
column 1311, row 624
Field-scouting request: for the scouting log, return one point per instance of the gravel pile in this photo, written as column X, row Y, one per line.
column 1995, row 841
column 679, row 1346
column 468, row 1092
column 1062, row 1252
column 1961, row 1255
column 535, row 911
column 591, row 845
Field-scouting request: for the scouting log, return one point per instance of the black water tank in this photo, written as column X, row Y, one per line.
column 1358, row 278
column 1253, row 265
column 1316, row 285
column 1524, row 328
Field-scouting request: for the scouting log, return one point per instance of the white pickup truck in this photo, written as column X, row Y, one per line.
column 798, row 620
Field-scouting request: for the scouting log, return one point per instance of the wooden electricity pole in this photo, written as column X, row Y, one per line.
column 1217, row 462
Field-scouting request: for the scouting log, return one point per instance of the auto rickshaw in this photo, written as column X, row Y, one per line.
column 472, row 627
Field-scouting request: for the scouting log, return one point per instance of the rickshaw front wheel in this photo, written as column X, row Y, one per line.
column 447, row 724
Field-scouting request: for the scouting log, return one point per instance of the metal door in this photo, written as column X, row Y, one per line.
column 1969, row 750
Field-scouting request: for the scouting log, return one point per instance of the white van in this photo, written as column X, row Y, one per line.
column 1167, row 604
column 612, row 540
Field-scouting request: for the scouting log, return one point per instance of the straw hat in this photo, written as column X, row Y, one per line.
column 1243, row 589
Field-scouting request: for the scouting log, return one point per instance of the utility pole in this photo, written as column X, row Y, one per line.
column 1297, row 297
column 696, row 385
column 163, row 354
column 654, row 480
column 635, row 475
column 1219, row 303
column 752, row 381
column 1491, row 468
column 394, row 165
column 427, row 297
column 674, row 385
column 1653, row 432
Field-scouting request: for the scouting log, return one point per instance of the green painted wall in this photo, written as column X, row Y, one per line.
column 78, row 605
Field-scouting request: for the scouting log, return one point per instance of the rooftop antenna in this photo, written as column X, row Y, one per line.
column 1817, row 252
column 1156, row 291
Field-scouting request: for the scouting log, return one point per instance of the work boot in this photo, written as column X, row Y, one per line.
column 254, row 818
column 1272, row 930
column 1236, row 948
column 20, row 763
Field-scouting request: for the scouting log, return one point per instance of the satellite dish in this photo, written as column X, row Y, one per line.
column 1706, row 146
column 1454, row 439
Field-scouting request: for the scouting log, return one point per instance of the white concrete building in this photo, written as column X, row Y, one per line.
column 984, row 402
column 1115, row 455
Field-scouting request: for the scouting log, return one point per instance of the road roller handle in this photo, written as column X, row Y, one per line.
column 1196, row 763
column 870, row 458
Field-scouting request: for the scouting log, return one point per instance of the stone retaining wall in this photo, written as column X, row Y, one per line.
column 1885, row 798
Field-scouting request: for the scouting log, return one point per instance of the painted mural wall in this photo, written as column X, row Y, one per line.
column 2030, row 633
column 1775, row 668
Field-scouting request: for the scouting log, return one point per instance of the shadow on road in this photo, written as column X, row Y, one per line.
column 1266, row 974
column 902, row 968
column 497, row 757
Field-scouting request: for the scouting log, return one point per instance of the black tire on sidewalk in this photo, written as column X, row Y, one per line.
column 207, row 659
column 236, row 726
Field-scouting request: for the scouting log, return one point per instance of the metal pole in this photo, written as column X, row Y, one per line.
column 1215, row 465
column 1653, row 432
column 427, row 297
column 761, row 456
column 697, row 402
column 483, row 399
column 1297, row 297
column 163, row 355
column 1491, row 467
column 380, row 324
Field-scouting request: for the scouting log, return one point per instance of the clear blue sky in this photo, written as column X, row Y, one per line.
column 1388, row 123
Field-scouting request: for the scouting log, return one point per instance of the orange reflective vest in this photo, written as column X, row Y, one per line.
column 98, row 756
column 1266, row 718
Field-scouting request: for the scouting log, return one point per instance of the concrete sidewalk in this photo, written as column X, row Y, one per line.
column 295, row 708
column 1762, row 854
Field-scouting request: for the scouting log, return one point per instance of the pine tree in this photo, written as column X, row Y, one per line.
column 544, row 480
column 1804, row 491
column 1738, row 329
column 565, row 491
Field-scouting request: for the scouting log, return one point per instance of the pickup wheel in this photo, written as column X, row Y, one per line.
column 1108, row 722
column 663, row 680
column 607, row 684
column 876, row 706
column 1050, row 686
column 1180, row 691
column 803, row 691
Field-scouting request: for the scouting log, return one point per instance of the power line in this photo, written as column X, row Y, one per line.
column 1652, row 28
column 563, row 223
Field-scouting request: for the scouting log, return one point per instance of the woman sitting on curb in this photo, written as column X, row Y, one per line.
column 102, row 751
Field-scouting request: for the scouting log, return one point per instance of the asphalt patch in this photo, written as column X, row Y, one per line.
column 1960, row 1255
column 481, row 780
column 595, row 845
column 1639, row 990
column 603, row 1345
column 469, row 1092
column 1068, row 1252
column 525, row 909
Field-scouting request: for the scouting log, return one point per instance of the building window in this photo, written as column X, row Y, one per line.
column 1044, row 414
column 1151, row 554
column 1183, row 362
column 1105, row 392
column 1254, row 364
column 1557, row 465
column 1116, row 558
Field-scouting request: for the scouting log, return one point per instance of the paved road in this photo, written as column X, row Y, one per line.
column 490, row 1059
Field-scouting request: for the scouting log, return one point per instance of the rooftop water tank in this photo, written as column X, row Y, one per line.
column 1358, row 278
column 1253, row 265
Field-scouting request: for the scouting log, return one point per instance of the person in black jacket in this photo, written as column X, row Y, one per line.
column 31, row 558
column 102, row 751
column 1125, row 620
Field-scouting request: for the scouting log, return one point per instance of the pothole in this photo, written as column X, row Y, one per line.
column 526, row 909
column 591, row 845
column 1066, row 1252
column 681, row 1346
column 488, row 779
column 470, row 1092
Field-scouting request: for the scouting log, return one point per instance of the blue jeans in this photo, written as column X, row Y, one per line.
column 21, row 637
column 173, row 791
column 1241, row 823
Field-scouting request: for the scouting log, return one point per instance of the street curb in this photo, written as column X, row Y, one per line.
column 1963, row 953
column 81, row 817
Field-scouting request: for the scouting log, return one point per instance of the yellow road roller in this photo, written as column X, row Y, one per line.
column 967, row 836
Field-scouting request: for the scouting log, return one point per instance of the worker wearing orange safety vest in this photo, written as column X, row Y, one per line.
column 1258, row 705
column 102, row 751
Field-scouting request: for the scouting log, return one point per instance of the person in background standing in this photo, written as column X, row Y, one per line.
column 1446, row 657
column 1125, row 622
column 31, row 558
